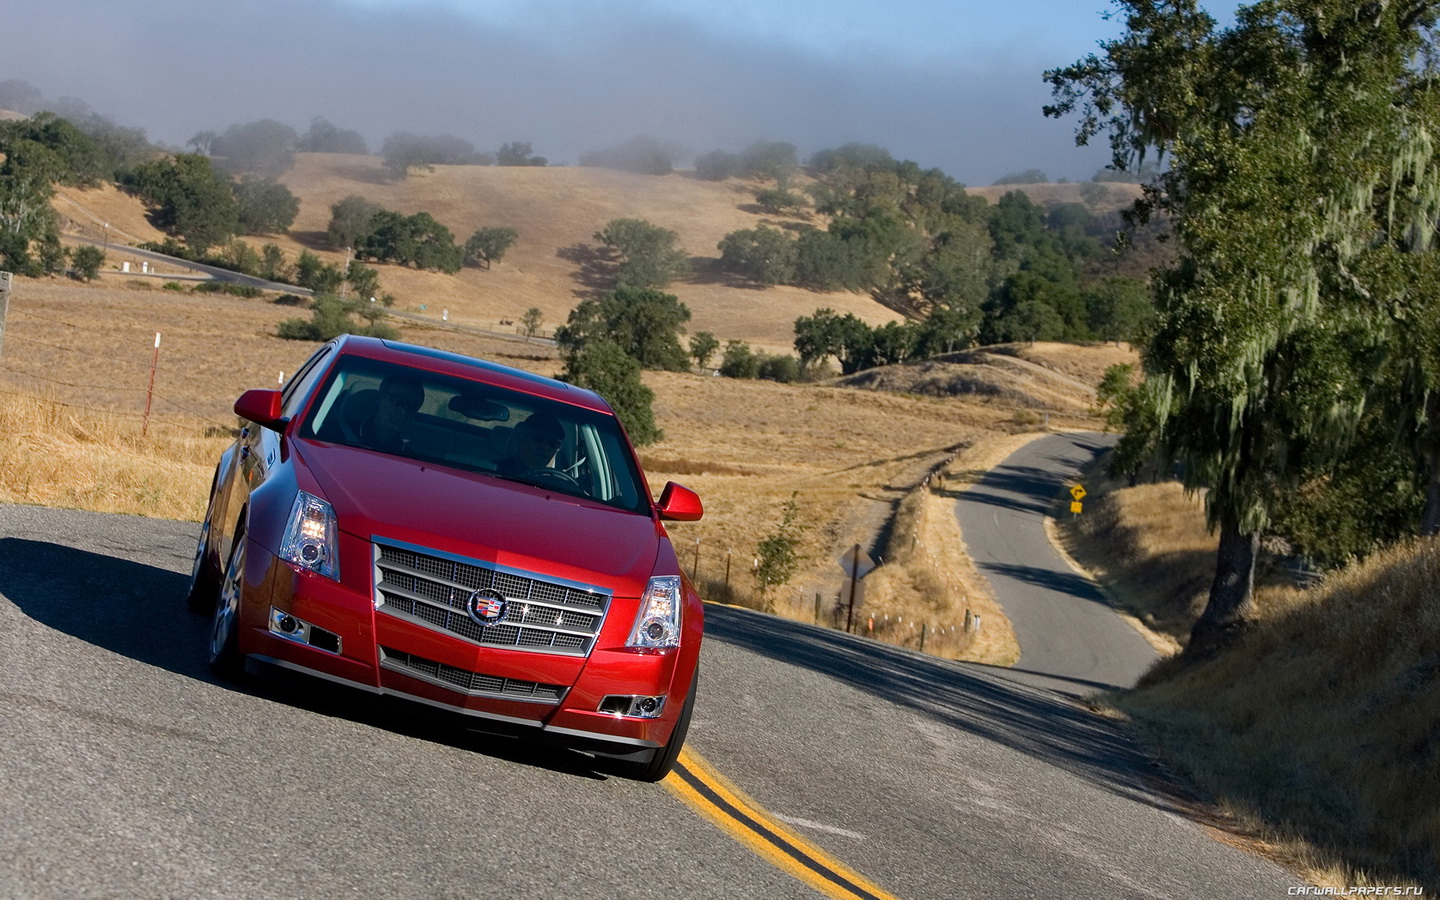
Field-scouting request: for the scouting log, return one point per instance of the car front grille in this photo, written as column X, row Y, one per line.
column 432, row 588
column 467, row 681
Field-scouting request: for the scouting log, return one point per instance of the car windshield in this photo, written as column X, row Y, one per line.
column 476, row 427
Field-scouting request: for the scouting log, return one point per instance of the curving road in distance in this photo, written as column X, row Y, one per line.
column 1070, row 638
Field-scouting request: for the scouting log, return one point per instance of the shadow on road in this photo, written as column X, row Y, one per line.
column 1068, row 583
column 138, row 611
column 1042, row 725
column 1032, row 488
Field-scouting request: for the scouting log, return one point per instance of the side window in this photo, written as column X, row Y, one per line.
column 299, row 384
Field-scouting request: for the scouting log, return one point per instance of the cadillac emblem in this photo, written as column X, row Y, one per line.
column 486, row 606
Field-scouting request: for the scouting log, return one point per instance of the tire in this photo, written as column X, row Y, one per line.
column 204, row 588
column 663, row 760
column 224, row 649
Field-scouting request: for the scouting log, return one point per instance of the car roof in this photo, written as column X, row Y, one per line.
column 484, row 371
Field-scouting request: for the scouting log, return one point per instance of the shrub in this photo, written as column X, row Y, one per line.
column 739, row 361
column 331, row 317
column 85, row 262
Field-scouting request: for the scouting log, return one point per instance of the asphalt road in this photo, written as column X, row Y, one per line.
column 127, row 771
column 1071, row 640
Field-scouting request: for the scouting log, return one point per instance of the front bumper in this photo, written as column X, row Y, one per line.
column 534, row 693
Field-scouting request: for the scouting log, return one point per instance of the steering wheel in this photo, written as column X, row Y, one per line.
column 547, row 477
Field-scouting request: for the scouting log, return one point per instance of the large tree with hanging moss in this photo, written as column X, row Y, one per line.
column 1302, row 188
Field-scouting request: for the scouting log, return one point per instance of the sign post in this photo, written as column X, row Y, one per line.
column 1077, row 493
column 856, row 564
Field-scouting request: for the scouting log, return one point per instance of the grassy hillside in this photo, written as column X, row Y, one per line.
column 850, row 457
column 556, row 211
column 856, row 461
column 1320, row 730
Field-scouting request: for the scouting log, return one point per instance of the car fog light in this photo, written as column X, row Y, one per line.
column 633, row 706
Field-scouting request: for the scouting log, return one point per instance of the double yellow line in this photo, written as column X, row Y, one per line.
column 698, row 784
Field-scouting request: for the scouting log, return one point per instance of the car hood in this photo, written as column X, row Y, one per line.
column 485, row 518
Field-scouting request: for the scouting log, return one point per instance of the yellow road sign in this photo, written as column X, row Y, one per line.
column 1078, row 492
column 1075, row 507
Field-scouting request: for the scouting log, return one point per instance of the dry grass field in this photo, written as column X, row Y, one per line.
column 556, row 211
column 1150, row 547
column 1320, row 732
column 855, row 454
column 848, row 456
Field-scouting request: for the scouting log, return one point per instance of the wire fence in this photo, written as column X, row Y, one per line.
column 721, row 575
column 725, row 575
column 30, row 370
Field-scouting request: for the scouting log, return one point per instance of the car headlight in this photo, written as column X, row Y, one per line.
column 311, row 536
column 657, row 626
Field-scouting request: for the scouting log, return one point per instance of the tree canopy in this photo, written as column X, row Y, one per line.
column 265, row 147
column 643, row 155
column 189, row 198
column 265, row 205
column 488, row 245
column 644, row 323
column 647, row 255
column 323, row 137
column 1303, row 189
column 404, row 152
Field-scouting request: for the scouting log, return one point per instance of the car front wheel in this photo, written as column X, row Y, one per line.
column 203, row 584
column 225, row 658
column 660, row 764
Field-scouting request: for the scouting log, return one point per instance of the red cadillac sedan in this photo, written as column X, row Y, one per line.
column 459, row 534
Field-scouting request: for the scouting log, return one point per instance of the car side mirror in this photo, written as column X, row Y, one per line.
column 261, row 407
column 679, row 503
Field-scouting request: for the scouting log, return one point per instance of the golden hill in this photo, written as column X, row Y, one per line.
column 1117, row 194
column 556, row 211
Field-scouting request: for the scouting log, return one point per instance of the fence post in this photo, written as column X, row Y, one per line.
column 150, row 388
column 4, row 307
column 924, row 627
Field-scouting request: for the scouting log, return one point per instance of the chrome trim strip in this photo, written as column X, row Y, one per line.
column 305, row 670
column 475, row 713
column 597, row 736
column 540, row 726
column 370, row 688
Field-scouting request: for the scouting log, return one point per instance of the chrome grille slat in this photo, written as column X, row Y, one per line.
column 431, row 588
column 468, row 681
column 535, row 617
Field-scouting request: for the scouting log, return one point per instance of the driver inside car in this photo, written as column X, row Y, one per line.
column 533, row 445
column 400, row 398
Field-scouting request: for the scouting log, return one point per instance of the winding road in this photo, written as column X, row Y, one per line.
column 126, row 770
column 1071, row 640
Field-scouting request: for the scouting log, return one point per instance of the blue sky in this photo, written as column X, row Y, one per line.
column 954, row 85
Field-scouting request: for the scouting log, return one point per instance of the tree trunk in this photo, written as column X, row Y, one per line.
column 1430, row 521
column 1231, row 600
